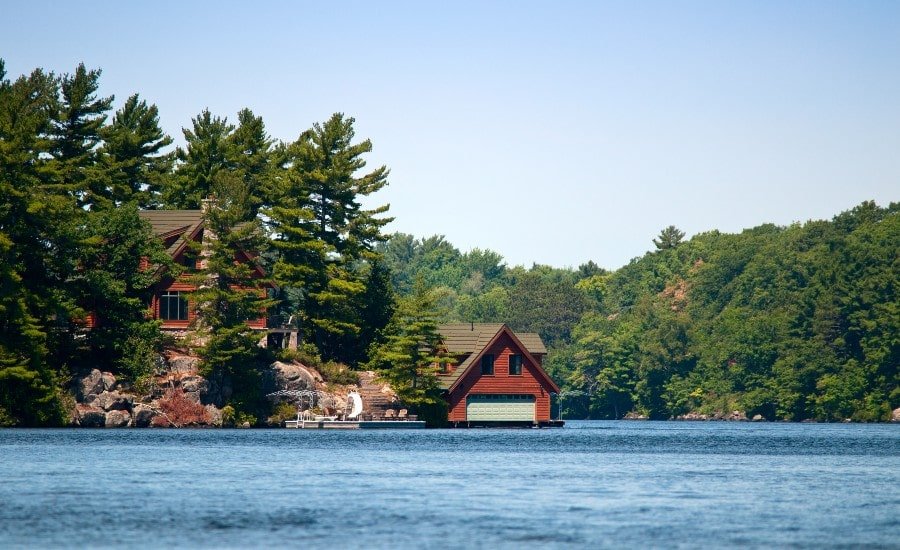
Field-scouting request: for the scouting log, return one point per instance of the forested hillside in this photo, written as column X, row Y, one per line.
column 799, row 322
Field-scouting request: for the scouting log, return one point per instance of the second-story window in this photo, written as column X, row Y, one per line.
column 487, row 364
column 515, row 364
column 173, row 306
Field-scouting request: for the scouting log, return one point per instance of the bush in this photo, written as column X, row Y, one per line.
column 338, row 373
column 181, row 411
column 281, row 412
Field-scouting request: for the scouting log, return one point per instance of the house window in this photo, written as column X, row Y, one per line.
column 173, row 306
column 487, row 364
column 515, row 364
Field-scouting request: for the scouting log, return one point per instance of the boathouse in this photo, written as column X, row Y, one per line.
column 496, row 377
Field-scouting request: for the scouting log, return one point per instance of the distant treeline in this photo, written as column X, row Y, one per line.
column 793, row 323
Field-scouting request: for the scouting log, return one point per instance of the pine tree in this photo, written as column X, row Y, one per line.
column 198, row 164
column 230, row 293
column 249, row 150
column 668, row 238
column 32, row 263
column 132, row 154
column 116, row 286
column 77, row 129
column 412, row 354
column 322, row 232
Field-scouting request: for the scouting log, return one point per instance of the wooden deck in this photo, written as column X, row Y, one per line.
column 355, row 424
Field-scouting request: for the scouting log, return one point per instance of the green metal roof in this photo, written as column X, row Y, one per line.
column 470, row 338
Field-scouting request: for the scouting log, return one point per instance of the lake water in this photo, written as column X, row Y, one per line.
column 590, row 484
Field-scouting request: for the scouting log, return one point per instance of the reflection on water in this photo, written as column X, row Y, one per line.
column 632, row 484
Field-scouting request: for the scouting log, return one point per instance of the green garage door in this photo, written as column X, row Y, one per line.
column 500, row 408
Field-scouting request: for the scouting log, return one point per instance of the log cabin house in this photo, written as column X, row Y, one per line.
column 496, row 377
column 170, row 302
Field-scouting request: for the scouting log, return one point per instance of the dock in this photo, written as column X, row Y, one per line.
column 355, row 424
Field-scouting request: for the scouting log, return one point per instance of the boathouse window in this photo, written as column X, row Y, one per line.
column 173, row 306
column 515, row 364
column 487, row 364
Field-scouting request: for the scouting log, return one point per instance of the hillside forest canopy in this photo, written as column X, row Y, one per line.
column 790, row 323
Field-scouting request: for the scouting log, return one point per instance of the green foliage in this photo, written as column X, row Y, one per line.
column 789, row 323
column 411, row 354
column 132, row 154
column 337, row 373
column 29, row 398
column 324, row 237
column 281, row 412
column 114, row 284
column 669, row 237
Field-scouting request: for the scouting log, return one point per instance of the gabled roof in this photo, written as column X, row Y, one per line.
column 183, row 223
column 474, row 338
column 460, row 338
column 171, row 223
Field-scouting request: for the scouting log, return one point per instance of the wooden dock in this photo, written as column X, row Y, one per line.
column 355, row 424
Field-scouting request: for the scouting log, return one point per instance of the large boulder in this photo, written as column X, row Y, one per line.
column 118, row 419
column 183, row 364
column 214, row 416
column 290, row 376
column 895, row 416
column 114, row 401
column 143, row 415
column 89, row 416
column 108, row 380
column 194, row 384
column 92, row 383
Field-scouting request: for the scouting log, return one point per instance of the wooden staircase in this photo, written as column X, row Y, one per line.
column 375, row 401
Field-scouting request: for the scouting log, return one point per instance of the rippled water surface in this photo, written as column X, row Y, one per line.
column 590, row 484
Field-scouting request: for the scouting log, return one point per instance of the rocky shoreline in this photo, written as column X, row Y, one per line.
column 180, row 397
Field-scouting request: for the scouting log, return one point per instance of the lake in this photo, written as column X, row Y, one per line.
column 590, row 484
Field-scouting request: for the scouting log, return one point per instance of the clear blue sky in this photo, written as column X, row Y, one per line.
column 550, row 132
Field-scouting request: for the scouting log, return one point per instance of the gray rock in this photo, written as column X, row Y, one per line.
column 92, row 383
column 194, row 384
column 108, row 380
column 895, row 416
column 118, row 419
column 214, row 416
column 89, row 416
column 758, row 418
column 290, row 376
column 183, row 364
column 143, row 415
column 114, row 401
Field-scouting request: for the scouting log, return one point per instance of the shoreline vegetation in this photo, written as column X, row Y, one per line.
column 795, row 323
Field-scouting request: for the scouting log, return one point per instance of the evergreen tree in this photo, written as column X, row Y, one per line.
column 120, row 264
column 412, row 354
column 322, row 231
column 198, row 164
column 132, row 153
column 249, row 150
column 669, row 237
column 77, row 135
column 34, row 256
column 230, row 293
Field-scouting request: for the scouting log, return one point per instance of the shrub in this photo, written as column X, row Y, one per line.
column 338, row 373
column 281, row 412
column 181, row 411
